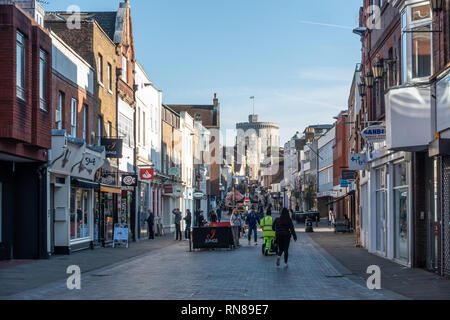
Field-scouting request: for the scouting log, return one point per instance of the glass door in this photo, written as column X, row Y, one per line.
column 381, row 207
column 401, row 239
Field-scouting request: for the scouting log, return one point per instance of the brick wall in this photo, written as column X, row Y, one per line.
column 340, row 151
column 71, row 90
column 23, row 121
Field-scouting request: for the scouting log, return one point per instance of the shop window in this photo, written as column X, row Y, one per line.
column 79, row 214
column 401, row 211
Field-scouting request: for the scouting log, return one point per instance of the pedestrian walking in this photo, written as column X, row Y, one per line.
column 252, row 221
column 330, row 218
column 284, row 230
column 236, row 220
column 188, row 221
column 213, row 216
column 177, row 214
column 150, row 224
column 317, row 219
column 219, row 214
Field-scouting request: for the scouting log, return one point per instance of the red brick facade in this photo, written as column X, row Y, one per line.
column 70, row 90
column 25, row 129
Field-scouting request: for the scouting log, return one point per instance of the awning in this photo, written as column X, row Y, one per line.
column 110, row 189
column 351, row 193
column 79, row 183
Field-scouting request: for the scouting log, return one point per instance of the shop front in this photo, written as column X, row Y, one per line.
column 390, row 208
column 171, row 198
column 72, row 169
column 106, row 205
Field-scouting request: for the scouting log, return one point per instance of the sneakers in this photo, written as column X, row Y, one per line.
column 249, row 242
column 278, row 261
column 285, row 264
column 256, row 243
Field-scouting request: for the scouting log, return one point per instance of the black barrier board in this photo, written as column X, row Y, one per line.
column 212, row 237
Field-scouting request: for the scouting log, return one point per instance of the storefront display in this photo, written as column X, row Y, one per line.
column 79, row 214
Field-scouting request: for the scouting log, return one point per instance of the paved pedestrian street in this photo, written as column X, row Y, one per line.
column 174, row 273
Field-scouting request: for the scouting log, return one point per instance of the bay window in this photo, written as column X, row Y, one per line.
column 416, row 42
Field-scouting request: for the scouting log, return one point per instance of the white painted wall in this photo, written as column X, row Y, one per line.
column 70, row 65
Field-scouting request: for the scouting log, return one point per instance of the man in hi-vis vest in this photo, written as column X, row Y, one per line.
column 268, row 234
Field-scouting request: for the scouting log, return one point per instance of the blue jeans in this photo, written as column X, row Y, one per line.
column 254, row 229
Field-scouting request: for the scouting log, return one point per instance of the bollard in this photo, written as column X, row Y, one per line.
column 308, row 225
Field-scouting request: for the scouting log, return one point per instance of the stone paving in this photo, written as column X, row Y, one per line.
column 174, row 273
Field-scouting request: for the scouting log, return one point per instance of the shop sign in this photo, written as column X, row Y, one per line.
column 344, row 183
column 129, row 180
column 374, row 134
column 147, row 174
column 174, row 171
column 172, row 190
column 348, row 175
column 107, row 177
column 357, row 161
column 113, row 147
column 198, row 195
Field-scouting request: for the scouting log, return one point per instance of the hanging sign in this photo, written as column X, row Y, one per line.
column 147, row 174
column 348, row 175
column 113, row 147
column 374, row 134
column 344, row 183
column 174, row 171
column 357, row 161
column 129, row 180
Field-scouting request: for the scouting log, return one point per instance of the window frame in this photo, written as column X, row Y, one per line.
column 73, row 117
column 407, row 41
column 60, row 108
column 43, row 74
column 100, row 69
column 21, row 78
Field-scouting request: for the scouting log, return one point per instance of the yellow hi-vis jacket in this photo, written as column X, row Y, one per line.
column 266, row 226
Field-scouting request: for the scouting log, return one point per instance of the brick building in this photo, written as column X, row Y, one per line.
column 95, row 45
column 401, row 195
column 209, row 115
column 171, row 165
column 25, row 133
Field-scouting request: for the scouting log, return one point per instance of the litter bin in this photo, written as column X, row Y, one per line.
column 308, row 225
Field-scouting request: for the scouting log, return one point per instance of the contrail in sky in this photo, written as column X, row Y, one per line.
column 326, row 25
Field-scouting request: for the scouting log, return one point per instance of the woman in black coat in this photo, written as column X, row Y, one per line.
column 284, row 229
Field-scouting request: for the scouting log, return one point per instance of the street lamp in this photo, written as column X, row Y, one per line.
column 378, row 69
column 369, row 80
column 437, row 5
column 362, row 89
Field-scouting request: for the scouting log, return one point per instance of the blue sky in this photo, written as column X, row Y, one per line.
column 299, row 72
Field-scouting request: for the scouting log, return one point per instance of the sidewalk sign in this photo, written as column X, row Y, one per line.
column 120, row 234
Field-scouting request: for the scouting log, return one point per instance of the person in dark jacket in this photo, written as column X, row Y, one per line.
column 252, row 221
column 201, row 219
column 188, row 220
column 284, row 229
column 212, row 216
column 150, row 223
column 177, row 214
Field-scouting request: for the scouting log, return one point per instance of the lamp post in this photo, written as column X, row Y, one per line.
column 378, row 69
column 369, row 80
column 437, row 5
column 362, row 89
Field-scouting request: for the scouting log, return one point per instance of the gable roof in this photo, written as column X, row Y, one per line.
column 106, row 19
